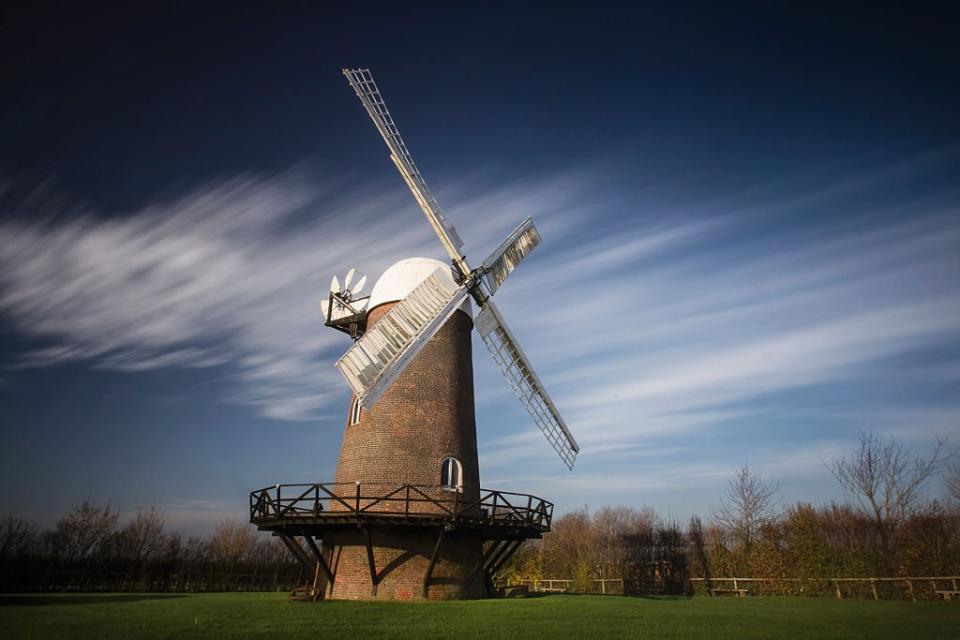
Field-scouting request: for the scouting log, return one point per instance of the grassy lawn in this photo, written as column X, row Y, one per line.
column 557, row 616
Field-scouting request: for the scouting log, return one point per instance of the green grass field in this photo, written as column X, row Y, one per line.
column 553, row 616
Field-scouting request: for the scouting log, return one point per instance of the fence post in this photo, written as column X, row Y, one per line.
column 836, row 586
column 910, row 589
column 873, row 587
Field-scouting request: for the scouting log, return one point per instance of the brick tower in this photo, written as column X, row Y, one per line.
column 423, row 420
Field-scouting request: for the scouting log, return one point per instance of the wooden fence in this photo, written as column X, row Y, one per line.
column 607, row 586
column 46, row 578
column 903, row 588
column 877, row 588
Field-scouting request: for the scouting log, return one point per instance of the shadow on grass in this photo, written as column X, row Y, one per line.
column 40, row 600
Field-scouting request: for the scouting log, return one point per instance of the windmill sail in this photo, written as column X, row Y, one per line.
column 372, row 364
column 511, row 252
column 526, row 385
column 375, row 360
column 363, row 84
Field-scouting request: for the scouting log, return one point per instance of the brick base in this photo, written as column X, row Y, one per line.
column 402, row 557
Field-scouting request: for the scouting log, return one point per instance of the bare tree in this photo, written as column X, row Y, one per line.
column 699, row 549
column 953, row 480
column 143, row 537
column 570, row 546
column 232, row 541
column 81, row 533
column 886, row 479
column 610, row 525
column 17, row 537
column 749, row 504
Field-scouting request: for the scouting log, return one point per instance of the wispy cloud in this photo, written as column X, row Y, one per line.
column 649, row 327
column 229, row 274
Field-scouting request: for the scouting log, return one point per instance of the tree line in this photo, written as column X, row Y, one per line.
column 887, row 526
column 90, row 550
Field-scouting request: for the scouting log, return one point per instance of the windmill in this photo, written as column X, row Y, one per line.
column 405, row 516
column 380, row 355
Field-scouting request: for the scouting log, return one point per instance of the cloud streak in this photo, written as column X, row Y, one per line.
column 648, row 328
column 229, row 274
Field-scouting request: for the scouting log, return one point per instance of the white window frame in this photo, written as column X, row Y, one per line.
column 456, row 469
column 356, row 409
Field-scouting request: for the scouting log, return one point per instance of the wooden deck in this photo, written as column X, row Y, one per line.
column 303, row 509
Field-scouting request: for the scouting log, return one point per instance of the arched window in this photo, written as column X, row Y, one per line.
column 451, row 475
column 355, row 410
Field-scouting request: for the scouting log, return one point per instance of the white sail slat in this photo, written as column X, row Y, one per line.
column 519, row 244
column 384, row 351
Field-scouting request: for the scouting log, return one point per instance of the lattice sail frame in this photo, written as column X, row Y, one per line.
column 498, row 339
column 366, row 89
column 513, row 363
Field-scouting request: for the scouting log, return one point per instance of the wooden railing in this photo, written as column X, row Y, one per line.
column 912, row 587
column 607, row 586
column 908, row 586
column 301, row 502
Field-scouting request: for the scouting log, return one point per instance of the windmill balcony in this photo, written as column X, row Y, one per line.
column 296, row 506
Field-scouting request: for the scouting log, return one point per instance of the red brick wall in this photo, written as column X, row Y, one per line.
column 426, row 415
column 402, row 556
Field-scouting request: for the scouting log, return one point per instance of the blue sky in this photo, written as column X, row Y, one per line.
column 749, row 214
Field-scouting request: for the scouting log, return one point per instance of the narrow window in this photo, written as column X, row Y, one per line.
column 451, row 475
column 355, row 410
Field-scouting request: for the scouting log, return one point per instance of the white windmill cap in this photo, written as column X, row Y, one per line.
column 403, row 277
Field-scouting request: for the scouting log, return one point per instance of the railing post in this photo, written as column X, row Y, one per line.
column 406, row 503
column 357, row 508
column 277, row 503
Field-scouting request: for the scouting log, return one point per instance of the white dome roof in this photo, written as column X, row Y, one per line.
column 403, row 277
